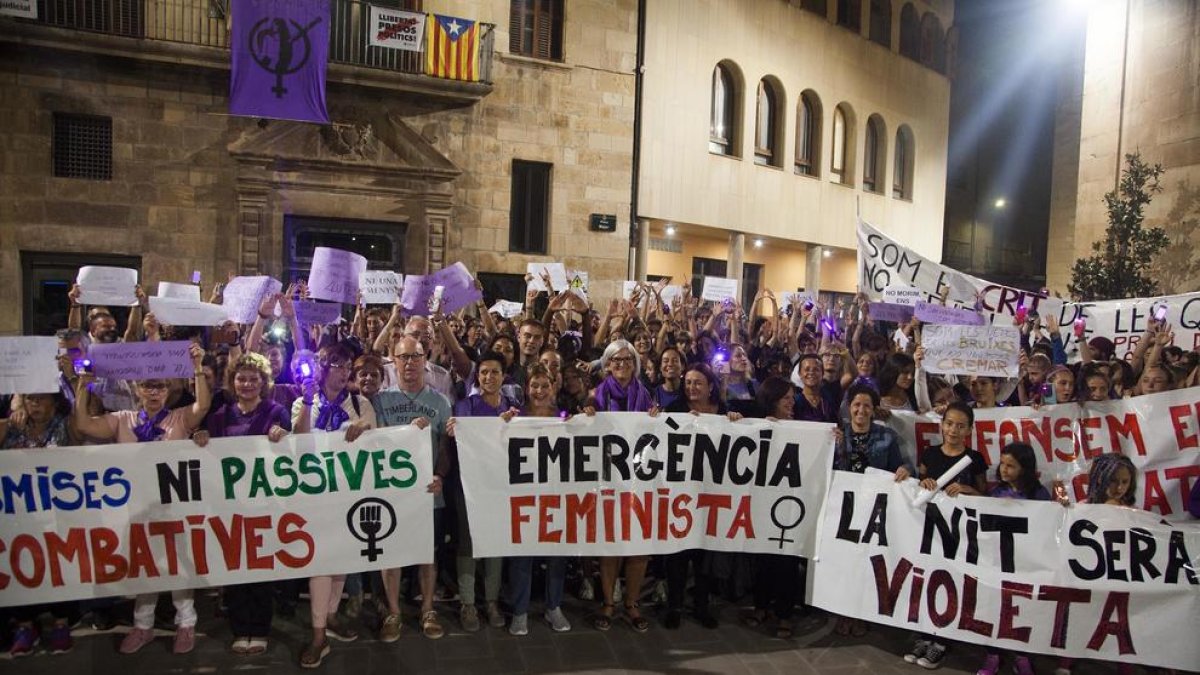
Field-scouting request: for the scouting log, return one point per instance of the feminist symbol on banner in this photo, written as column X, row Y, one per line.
column 365, row 522
column 283, row 35
column 777, row 518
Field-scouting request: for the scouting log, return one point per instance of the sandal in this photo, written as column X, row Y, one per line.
column 784, row 630
column 858, row 628
column 312, row 656
column 842, row 627
column 755, row 619
column 602, row 620
column 637, row 623
column 431, row 627
column 256, row 645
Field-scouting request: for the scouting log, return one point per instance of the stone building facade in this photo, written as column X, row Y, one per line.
column 419, row 166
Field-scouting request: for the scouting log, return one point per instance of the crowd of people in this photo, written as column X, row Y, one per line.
column 560, row 358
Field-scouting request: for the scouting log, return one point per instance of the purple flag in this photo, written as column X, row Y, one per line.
column 279, row 51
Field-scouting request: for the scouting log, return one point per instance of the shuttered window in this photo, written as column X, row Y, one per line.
column 535, row 29
column 529, row 213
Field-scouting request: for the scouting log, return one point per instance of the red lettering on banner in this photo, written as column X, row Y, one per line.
column 1154, row 497
column 199, row 544
column 517, row 515
column 140, row 556
column 886, row 591
column 1062, row 598
column 942, row 580
column 637, row 505
column 1009, row 611
column 1183, row 420
column 1183, row 474
column 1130, row 428
column 968, row 621
column 742, row 520
column 73, row 548
column 230, row 540
column 254, row 542
column 707, row 501
column 290, row 530
column 168, row 530
column 1037, row 434
column 1087, row 439
column 110, row 566
column 682, row 513
column 984, row 432
column 4, row 578
column 1079, row 487
column 1063, row 429
column 581, row 506
column 545, row 534
column 1116, row 604
column 23, row 543
column 925, row 433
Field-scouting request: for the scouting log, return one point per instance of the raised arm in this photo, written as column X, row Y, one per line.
column 94, row 427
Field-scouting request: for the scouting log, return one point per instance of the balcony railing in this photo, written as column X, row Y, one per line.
column 207, row 22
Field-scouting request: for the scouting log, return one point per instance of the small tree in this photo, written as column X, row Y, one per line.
column 1120, row 264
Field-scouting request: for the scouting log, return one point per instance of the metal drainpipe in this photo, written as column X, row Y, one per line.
column 637, row 134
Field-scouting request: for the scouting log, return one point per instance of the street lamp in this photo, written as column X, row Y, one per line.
column 1000, row 203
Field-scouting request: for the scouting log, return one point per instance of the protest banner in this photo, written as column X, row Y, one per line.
column 886, row 311
column 131, row 518
column 1085, row 581
column 972, row 350
column 313, row 313
column 631, row 484
column 175, row 311
column 1125, row 322
column 29, row 365
column 1159, row 433
column 719, row 289
column 380, row 287
column 900, row 294
column 797, row 299
column 243, row 295
column 107, row 285
column 930, row 312
column 142, row 360
column 27, row 9
column 458, row 290
column 395, row 29
column 170, row 289
column 507, row 308
column 556, row 271
column 334, row 275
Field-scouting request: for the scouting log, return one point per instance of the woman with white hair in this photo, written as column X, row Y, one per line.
column 621, row 391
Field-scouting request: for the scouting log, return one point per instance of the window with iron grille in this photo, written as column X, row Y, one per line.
column 529, row 213
column 535, row 28
column 82, row 146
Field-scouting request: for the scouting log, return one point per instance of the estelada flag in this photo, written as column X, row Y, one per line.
column 452, row 48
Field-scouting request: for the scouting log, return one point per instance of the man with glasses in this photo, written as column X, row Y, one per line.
column 415, row 402
column 420, row 329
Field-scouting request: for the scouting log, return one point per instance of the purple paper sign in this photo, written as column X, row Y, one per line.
column 142, row 360
column 888, row 311
column 309, row 313
column 334, row 275
column 458, row 290
column 279, row 52
column 948, row 316
column 243, row 295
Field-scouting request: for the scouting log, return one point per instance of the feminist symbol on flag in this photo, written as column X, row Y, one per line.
column 777, row 518
column 282, row 36
column 365, row 520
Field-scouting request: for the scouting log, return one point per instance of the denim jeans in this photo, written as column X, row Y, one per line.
column 521, row 577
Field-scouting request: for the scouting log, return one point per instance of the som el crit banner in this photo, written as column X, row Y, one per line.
column 631, row 484
column 98, row 521
column 1085, row 581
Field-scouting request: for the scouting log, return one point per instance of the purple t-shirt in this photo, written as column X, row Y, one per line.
column 228, row 420
column 475, row 406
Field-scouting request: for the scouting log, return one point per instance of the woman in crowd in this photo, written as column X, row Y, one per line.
column 670, row 386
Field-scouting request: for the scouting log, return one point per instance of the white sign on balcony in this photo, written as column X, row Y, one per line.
column 396, row 29
column 22, row 8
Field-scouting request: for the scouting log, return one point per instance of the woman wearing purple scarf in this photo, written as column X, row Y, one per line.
column 621, row 391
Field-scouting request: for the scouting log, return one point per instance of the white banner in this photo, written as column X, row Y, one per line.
column 1085, row 581
column 28, row 365
column 23, row 8
column 396, row 29
column 718, row 289
column 179, row 312
column 1124, row 321
column 380, row 287
column 1159, row 433
column 631, row 484
column 972, row 350
column 108, row 520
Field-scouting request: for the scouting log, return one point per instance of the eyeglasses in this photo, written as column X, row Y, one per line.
column 334, row 365
column 409, row 357
column 154, row 385
column 621, row 359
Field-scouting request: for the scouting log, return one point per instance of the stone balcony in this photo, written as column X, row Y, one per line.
column 196, row 33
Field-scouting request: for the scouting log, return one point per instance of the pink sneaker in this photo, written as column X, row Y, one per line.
column 991, row 665
column 185, row 639
column 136, row 639
column 1022, row 666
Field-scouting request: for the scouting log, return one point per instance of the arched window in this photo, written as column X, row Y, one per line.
column 902, row 167
column 808, row 134
column 933, row 39
column 910, row 38
column 722, row 125
column 849, row 14
column 881, row 22
column 841, row 160
column 874, row 155
column 766, row 132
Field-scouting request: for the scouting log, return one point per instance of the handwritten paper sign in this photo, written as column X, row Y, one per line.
column 670, row 294
column 313, row 313
column 334, row 274
column 186, row 312
column 458, row 290
column 972, row 350
column 886, row 311
column 243, row 295
column 107, row 285
column 901, row 294
column 27, row 365
column 170, row 289
column 947, row 316
column 719, row 289
column 142, row 360
column 797, row 299
column 507, row 308
column 557, row 272
column 380, row 287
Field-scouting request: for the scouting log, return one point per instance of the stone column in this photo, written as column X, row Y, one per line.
column 737, row 255
column 642, row 251
column 812, row 267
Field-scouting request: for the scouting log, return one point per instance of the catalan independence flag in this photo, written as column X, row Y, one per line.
column 452, row 48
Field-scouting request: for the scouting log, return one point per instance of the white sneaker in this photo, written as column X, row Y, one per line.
column 618, row 591
column 586, row 591
column 519, row 625
column 558, row 622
